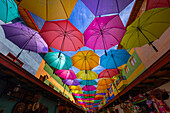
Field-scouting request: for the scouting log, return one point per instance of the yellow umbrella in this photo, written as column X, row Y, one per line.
column 77, row 91
column 85, row 60
column 105, row 81
column 75, row 87
column 49, row 9
column 99, row 95
column 87, row 75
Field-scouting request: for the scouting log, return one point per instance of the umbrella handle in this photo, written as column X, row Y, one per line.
column 105, row 52
column 59, row 54
column 154, row 48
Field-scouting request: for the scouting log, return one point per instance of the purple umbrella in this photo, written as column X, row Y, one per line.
column 89, row 88
column 71, row 82
column 66, row 74
column 104, row 32
column 103, row 7
column 25, row 38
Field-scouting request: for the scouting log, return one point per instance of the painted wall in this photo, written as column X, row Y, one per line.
column 53, row 79
column 31, row 60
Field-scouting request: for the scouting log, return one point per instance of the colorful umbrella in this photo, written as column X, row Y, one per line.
column 66, row 74
column 9, row 10
column 87, row 75
column 151, row 4
column 88, row 82
column 49, row 10
column 77, row 91
column 114, row 59
column 89, row 92
column 88, row 95
column 104, row 32
column 75, row 87
column 71, row 82
column 98, row 98
column 85, row 60
column 78, row 94
column 62, row 35
column 103, row 87
column 103, row 7
column 25, row 38
column 147, row 28
column 108, row 73
column 89, row 88
column 61, row 62
column 105, row 81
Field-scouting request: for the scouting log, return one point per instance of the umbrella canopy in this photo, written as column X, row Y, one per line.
column 105, row 81
column 87, row 75
column 151, row 4
column 66, row 74
column 75, row 87
column 88, row 88
column 98, row 98
column 89, row 92
column 71, row 82
column 108, row 73
column 103, row 88
column 62, row 35
column 114, row 59
column 49, row 9
column 104, row 32
column 89, row 95
column 88, row 82
column 61, row 62
column 78, row 94
column 85, row 60
column 9, row 10
column 99, row 95
column 147, row 28
column 103, row 7
column 77, row 91
column 25, row 38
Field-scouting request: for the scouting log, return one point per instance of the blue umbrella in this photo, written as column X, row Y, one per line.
column 59, row 62
column 88, row 82
column 9, row 10
column 114, row 59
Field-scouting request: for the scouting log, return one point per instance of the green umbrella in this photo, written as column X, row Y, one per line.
column 59, row 62
column 9, row 10
column 89, row 96
column 88, row 82
column 147, row 28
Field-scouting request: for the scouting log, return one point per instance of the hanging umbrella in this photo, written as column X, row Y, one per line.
column 62, row 35
column 89, row 92
column 88, row 82
column 104, row 32
column 103, row 7
column 62, row 62
column 103, row 88
column 99, row 95
column 72, row 87
column 9, row 10
column 108, row 73
column 86, row 99
column 105, row 81
column 66, row 74
column 88, row 95
column 77, row 91
column 98, row 98
column 114, row 59
column 71, row 82
column 25, row 38
column 87, row 75
column 78, row 94
column 147, row 28
column 85, row 60
column 49, row 10
column 151, row 4
column 88, row 88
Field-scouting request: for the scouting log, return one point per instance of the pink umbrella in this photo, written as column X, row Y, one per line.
column 157, row 4
column 78, row 94
column 66, row 74
column 104, row 32
column 89, row 88
column 85, row 98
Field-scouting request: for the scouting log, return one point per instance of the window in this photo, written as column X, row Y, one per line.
column 126, row 69
column 132, row 61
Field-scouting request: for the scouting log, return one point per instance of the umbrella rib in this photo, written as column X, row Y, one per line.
column 94, row 61
column 59, row 31
column 91, row 36
column 144, row 25
column 55, row 39
column 71, row 42
column 114, row 28
column 150, row 33
column 130, row 37
column 76, row 37
column 96, row 41
column 108, row 22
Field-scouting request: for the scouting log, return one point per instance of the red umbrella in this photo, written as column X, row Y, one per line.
column 62, row 35
column 157, row 4
column 89, row 95
column 98, row 98
column 108, row 73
